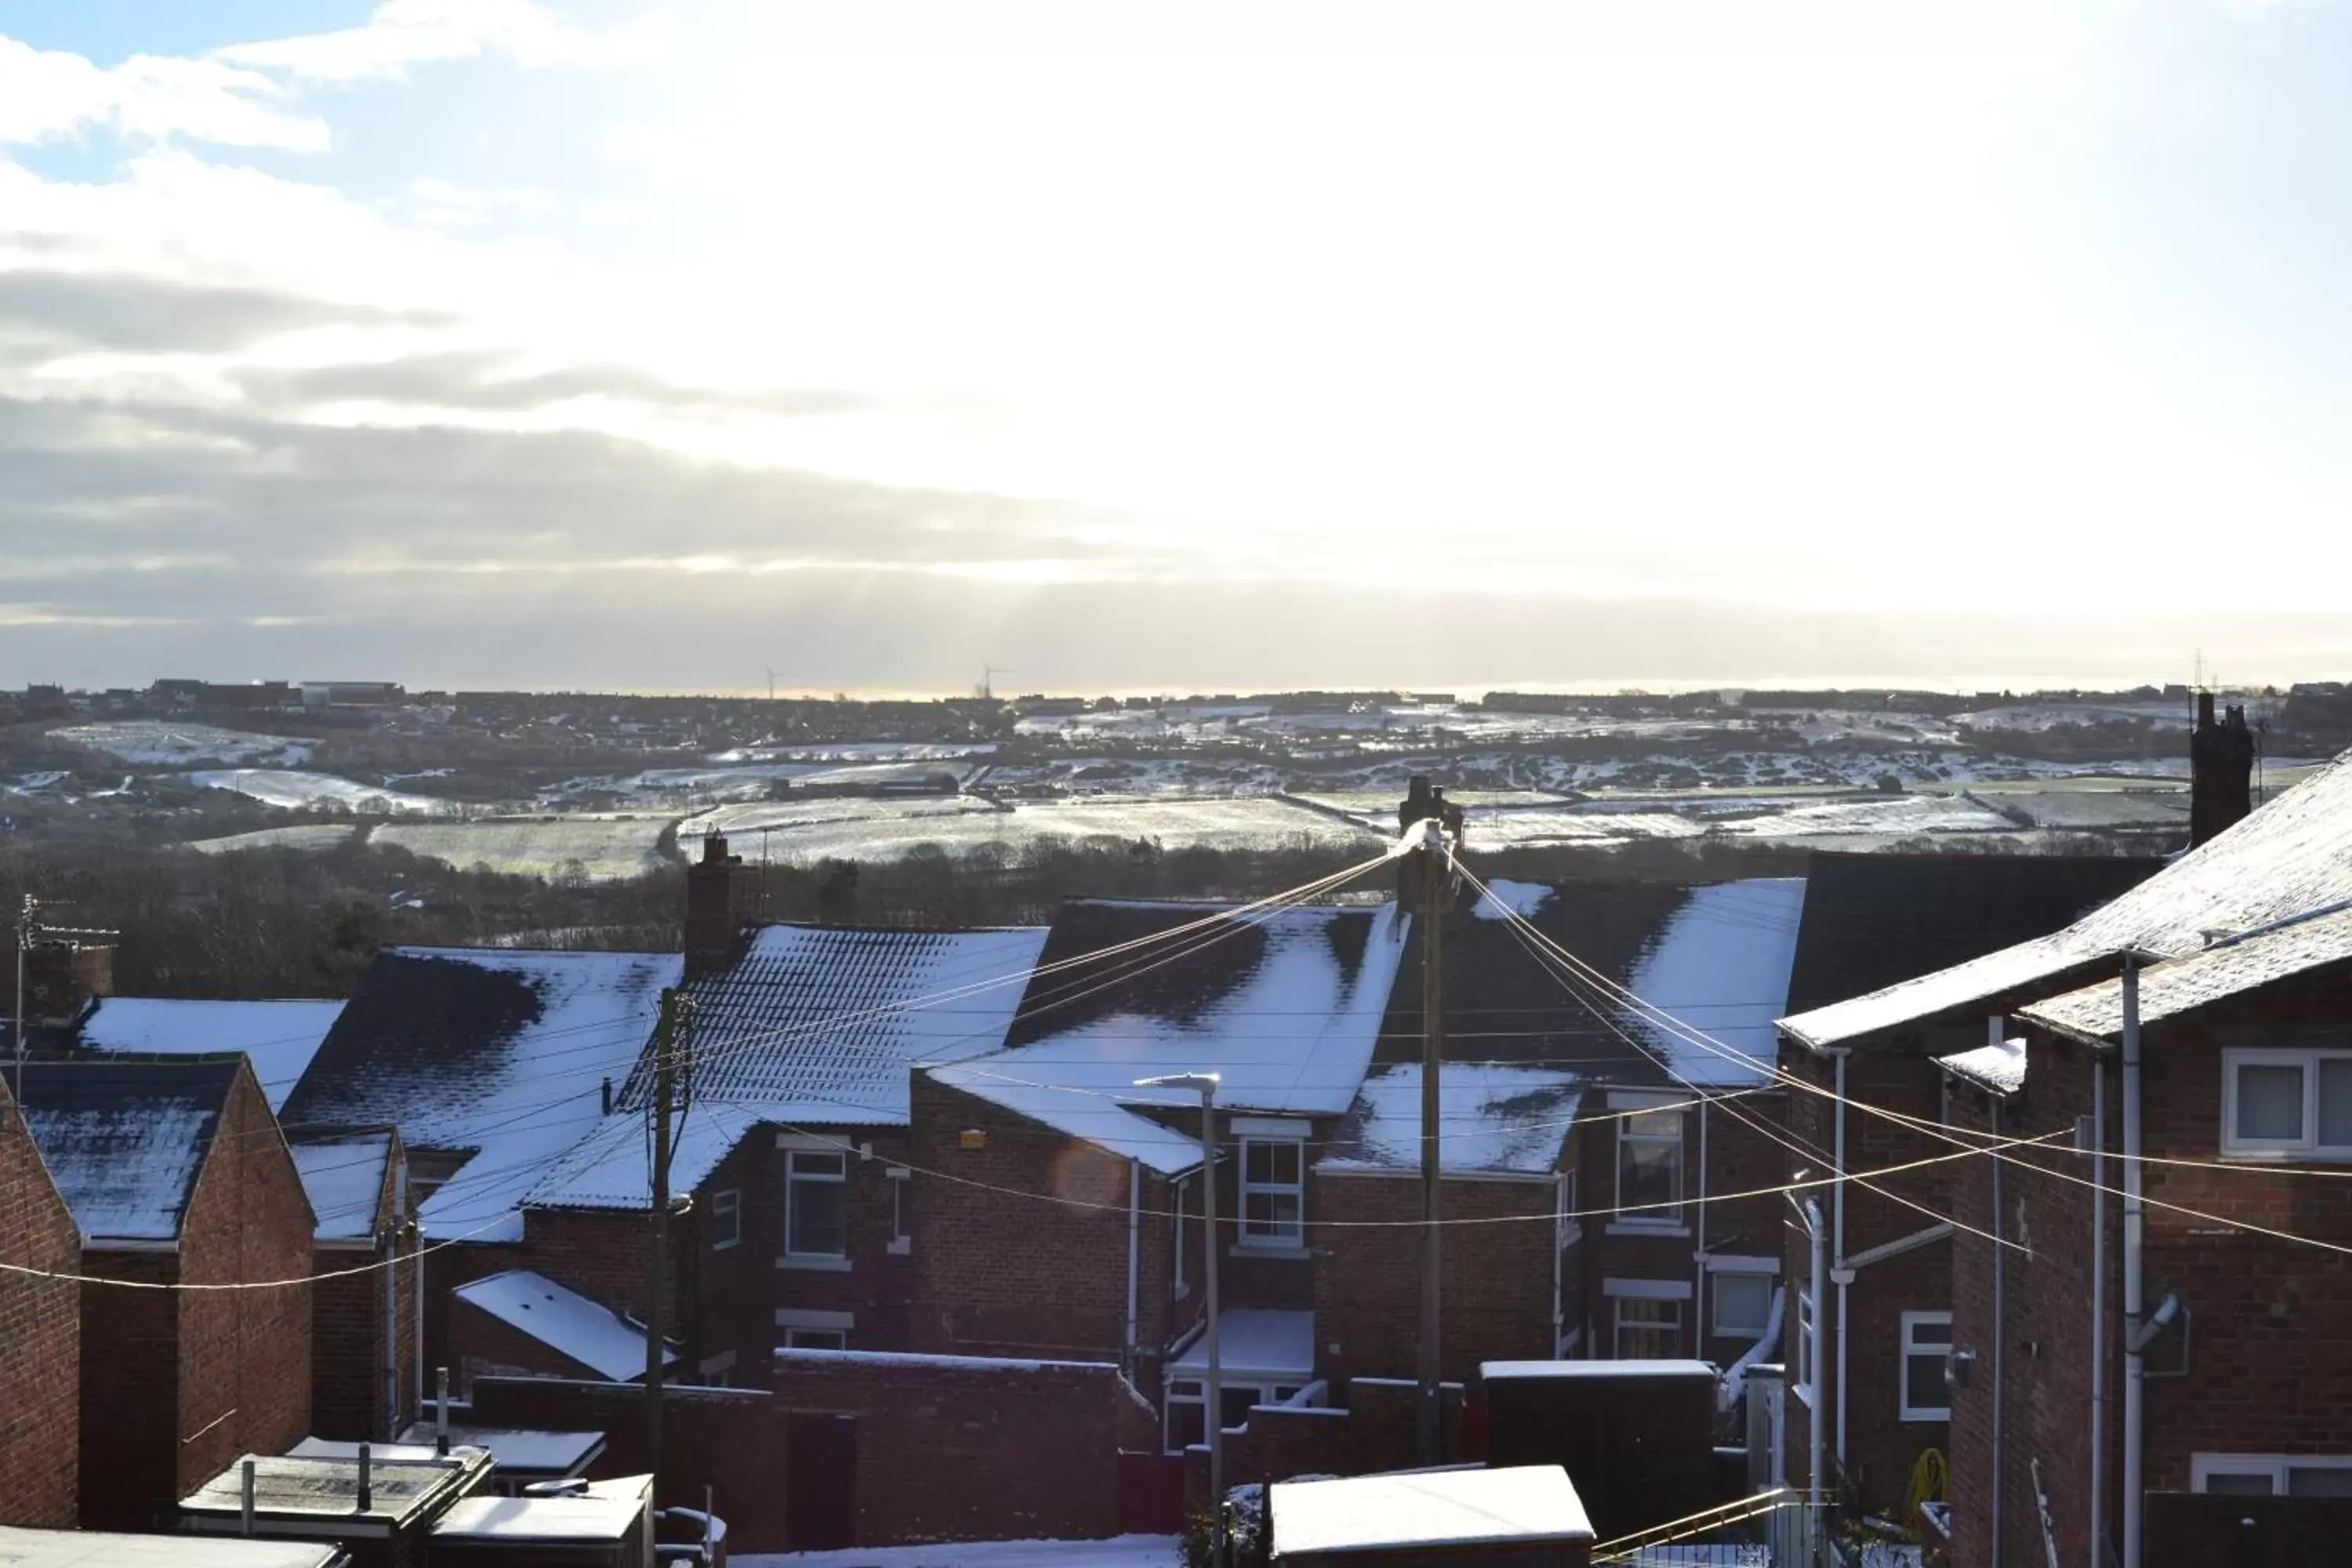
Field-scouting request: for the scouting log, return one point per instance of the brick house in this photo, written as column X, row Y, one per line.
column 41, row 1335
column 1870, row 921
column 2236, row 933
column 176, row 1174
column 364, row 1379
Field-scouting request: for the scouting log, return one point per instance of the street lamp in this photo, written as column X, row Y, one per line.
column 1205, row 1084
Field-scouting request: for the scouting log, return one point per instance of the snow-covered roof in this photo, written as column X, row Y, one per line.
column 497, row 1051
column 1721, row 966
column 2291, row 858
column 280, row 1038
column 1285, row 1009
column 125, row 1140
column 2183, row 984
column 1513, row 1507
column 21, row 1548
column 1999, row 1066
column 344, row 1177
column 1493, row 1118
column 564, row 1320
column 607, row 1169
column 513, row 1450
column 608, row 1514
column 309, row 1486
column 817, row 1024
column 1257, row 1341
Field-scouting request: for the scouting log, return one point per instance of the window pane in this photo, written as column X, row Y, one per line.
column 815, row 1223
column 1742, row 1302
column 1654, row 1124
column 2270, row 1101
column 1924, row 1387
column 815, row 1338
column 1236, row 1401
column 1929, row 1332
column 1271, row 1216
column 902, row 1213
column 809, row 1164
column 2319, row 1480
column 1185, row 1425
column 2336, row 1101
column 1649, row 1173
column 2231, row 1484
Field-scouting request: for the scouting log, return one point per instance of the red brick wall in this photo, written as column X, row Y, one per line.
column 40, row 1338
column 349, row 1324
column 243, row 1360
column 998, row 1275
column 129, row 1377
column 959, row 1451
column 1374, row 1433
column 1496, row 1295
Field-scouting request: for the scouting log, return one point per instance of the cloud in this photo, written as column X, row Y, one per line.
column 130, row 313
column 402, row 33
column 49, row 94
column 482, row 380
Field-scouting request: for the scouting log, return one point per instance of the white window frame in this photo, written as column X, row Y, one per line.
column 794, row 1174
column 1671, row 1219
column 1715, row 1324
column 1287, row 1238
column 902, row 1239
column 1671, row 1306
column 726, row 1218
column 2307, row 1146
column 1801, row 1385
column 1913, row 1351
column 1566, row 1229
column 2202, row 1467
column 1182, row 1391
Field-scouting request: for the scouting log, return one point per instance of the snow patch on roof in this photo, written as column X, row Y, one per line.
column 1096, row 1115
column 1721, row 966
column 1256, row 1339
column 1999, row 1066
column 344, row 1178
column 278, row 1037
column 1491, row 1118
column 1525, row 1503
column 125, row 1144
column 608, row 1170
column 1505, row 898
column 564, row 1320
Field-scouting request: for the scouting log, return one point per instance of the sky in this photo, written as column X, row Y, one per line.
column 1213, row 346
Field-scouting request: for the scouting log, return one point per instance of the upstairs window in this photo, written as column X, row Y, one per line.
column 2272, row 1474
column 1650, row 1168
column 814, row 1187
column 902, row 1210
column 1274, row 1192
column 1743, row 1304
column 726, row 1218
column 2282, row 1104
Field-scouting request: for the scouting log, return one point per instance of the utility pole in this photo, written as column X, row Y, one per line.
column 1434, row 869
column 25, row 925
column 658, row 1271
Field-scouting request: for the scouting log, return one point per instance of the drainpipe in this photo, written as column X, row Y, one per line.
column 1813, row 1414
column 417, row 1265
column 392, row 1302
column 1559, row 1282
column 2135, row 1362
column 1134, row 1239
column 2098, row 1308
column 2000, row 1339
column 1699, row 1256
column 1843, row 1275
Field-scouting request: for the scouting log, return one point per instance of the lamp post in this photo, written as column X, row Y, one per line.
column 1205, row 1083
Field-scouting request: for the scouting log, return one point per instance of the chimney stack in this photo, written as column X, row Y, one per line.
column 2221, row 770
column 722, row 897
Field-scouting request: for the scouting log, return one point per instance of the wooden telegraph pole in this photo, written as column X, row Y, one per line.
column 1435, row 869
column 666, row 1035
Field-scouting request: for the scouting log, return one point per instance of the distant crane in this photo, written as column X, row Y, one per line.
column 988, row 674
column 771, row 684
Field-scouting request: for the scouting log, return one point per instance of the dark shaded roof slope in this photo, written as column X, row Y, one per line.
column 1872, row 920
column 125, row 1141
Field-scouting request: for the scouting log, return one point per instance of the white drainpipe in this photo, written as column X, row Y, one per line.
column 1813, row 1391
column 2134, row 1360
column 1134, row 1241
column 2000, row 1340
column 2099, row 1308
column 1559, row 1224
column 1841, row 1273
column 392, row 1307
column 1698, row 1255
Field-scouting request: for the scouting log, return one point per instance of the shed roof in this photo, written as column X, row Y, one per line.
column 125, row 1141
column 1518, row 1506
column 105, row 1549
column 1997, row 1066
column 585, row 1331
column 2229, row 968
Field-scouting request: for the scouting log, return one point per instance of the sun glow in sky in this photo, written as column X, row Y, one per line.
column 491, row 341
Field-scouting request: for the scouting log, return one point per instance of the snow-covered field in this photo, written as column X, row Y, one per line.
column 303, row 836
column 889, row 829
column 156, row 742
column 298, row 791
column 601, row 848
column 2039, row 717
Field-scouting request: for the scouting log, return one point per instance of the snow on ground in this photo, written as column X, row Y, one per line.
column 308, row 836
column 158, row 743
column 1893, row 815
column 1119, row 1552
column 858, row 752
column 278, row 1037
column 1721, row 967
column 600, row 848
column 2041, row 717
column 295, row 791
column 859, row 828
